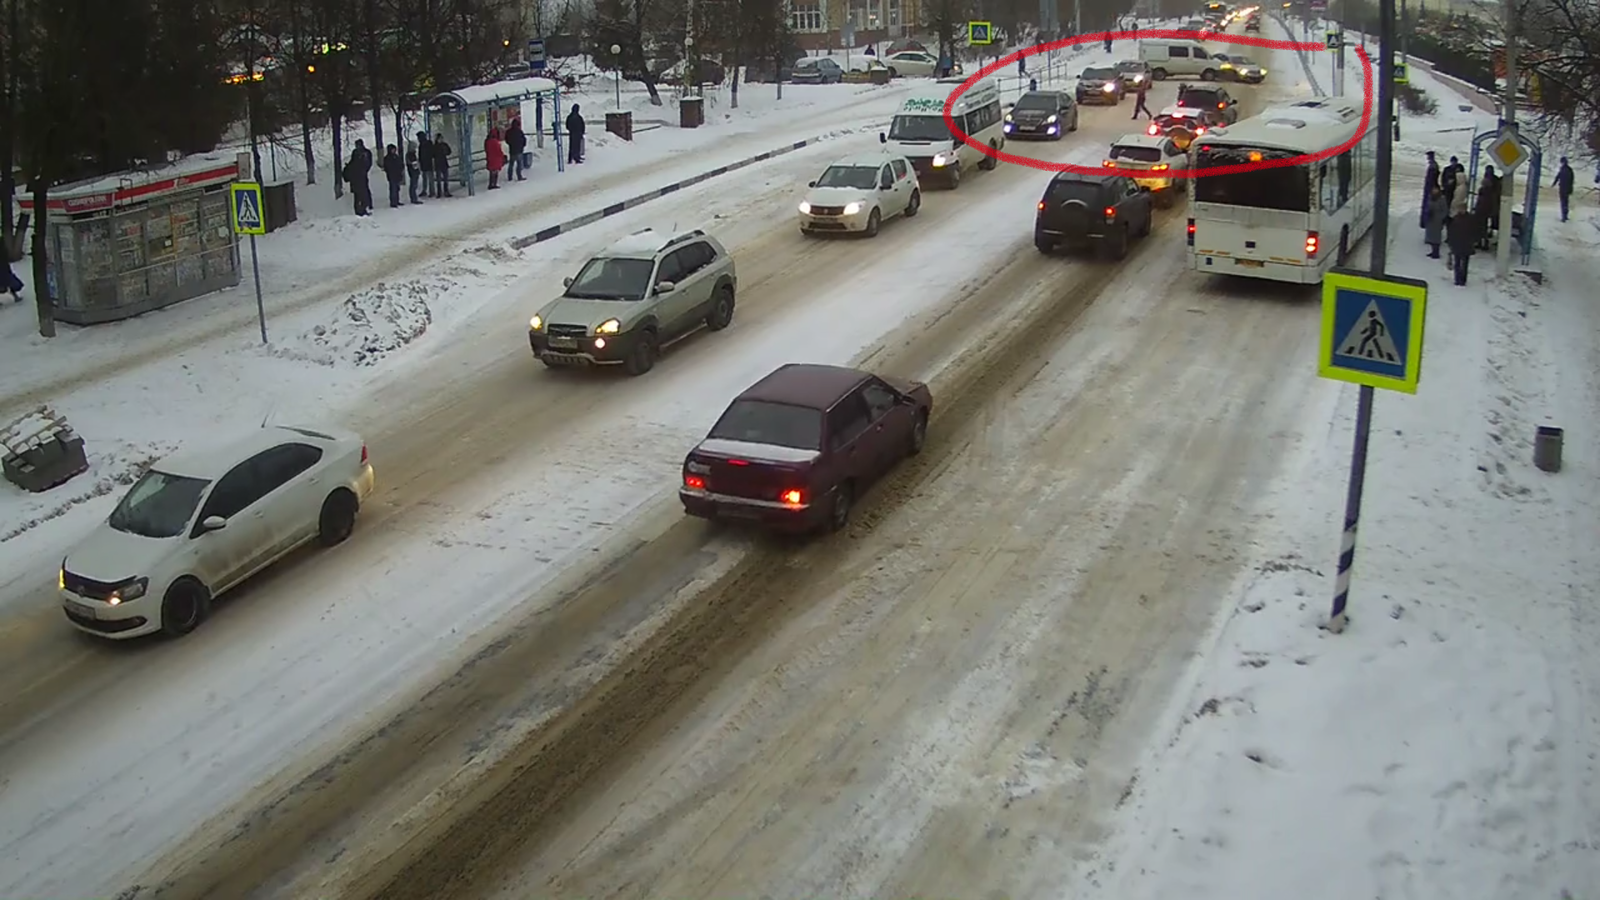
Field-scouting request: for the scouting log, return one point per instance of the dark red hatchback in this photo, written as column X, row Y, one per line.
column 797, row 447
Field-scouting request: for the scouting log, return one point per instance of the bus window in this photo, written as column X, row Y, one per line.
column 1329, row 202
column 1286, row 189
column 1344, row 178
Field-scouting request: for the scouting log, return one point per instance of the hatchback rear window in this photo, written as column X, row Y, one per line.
column 1137, row 154
column 1199, row 98
column 1063, row 191
column 764, row 422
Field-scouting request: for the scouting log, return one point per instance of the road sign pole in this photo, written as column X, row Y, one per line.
column 261, row 308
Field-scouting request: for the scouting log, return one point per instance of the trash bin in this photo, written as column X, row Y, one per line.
column 277, row 202
column 620, row 124
column 691, row 112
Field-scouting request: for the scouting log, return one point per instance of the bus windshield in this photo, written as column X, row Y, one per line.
column 1286, row 189
column 919, row 128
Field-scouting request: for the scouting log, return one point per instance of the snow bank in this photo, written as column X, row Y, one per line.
column 370, row 325
column 1443, row 746
column 112, row 466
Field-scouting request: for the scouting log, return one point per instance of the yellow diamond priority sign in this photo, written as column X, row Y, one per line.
column 1507, row 150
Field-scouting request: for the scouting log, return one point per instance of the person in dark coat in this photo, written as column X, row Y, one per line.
column 1433, row 226
column 1430, row 186
column 1565, row 180
column 356, row 172
column 425, row 164
column 413, row 172
column 12, row 284
column 1487, row 207
column 494, row 157
column 516, row 144
column 441, row 166
column 1450, row 179
column 395, row 168
column 1139, row 106
column 1462, row 233
column 575, row 129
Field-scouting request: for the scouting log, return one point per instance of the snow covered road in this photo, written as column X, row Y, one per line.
column 469, row 454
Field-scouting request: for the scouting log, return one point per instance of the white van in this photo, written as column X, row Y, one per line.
column 1179, row 59
column 918, row 131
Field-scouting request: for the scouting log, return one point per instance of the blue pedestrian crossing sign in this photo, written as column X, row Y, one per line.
column 244, row 199
column 1372, row 328
column 980, row 33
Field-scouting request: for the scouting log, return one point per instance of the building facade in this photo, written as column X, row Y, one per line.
column 820, row 24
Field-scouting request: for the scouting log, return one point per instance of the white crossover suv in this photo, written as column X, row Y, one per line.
column 202, row 521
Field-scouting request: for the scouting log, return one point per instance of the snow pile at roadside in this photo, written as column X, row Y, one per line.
column 370, row 325
column 113, row 466
column 1443, row 746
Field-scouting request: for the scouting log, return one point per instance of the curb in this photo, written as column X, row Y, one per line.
column 555, row 231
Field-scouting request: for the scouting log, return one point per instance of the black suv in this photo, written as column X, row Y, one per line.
column 1046, row 114
column 1104, row 210
column 1220, row 106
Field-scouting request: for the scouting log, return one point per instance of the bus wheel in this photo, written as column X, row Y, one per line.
column 989, row 163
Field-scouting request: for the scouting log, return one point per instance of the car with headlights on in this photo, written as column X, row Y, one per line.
column 1244, row 70
column 201, row 521
column 1135, row 73
column 794, row 451
column 1152, row 159
column 1042, row 114
column 1100, row 84
column 634, row 299
column 858, row 193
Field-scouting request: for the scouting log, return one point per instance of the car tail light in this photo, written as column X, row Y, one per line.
column 1191, row 232
column 1041, row 206
column 1109, row 164
column 738, row 462
column 1153, row 130
column 363, row 454
column 1312, row 243
column 1199, row 130
column 694, row 482
column 1111, row 213
column 1160, row 167
column 1222, row 106
column 793, row 497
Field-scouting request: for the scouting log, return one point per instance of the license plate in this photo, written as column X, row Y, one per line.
column 564, row 342
column 84, row 610
column 1252, row 263
column 740, row 512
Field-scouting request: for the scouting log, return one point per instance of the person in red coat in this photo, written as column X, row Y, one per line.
column 494, row 154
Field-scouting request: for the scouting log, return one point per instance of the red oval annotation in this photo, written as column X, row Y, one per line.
column 1160, row 34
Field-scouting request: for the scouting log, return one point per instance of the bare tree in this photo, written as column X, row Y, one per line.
column 626, row 24
column 1568, row 68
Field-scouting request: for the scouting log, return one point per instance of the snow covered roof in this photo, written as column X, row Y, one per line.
column 500, row 91
column 122, row 188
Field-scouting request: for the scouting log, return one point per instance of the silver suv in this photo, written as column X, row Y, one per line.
column 641, row 294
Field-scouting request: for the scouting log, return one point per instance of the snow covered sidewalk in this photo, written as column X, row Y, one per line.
column 1445, row 745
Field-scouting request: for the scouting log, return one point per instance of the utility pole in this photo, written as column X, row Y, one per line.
column 1509, row 114
column 691, row 72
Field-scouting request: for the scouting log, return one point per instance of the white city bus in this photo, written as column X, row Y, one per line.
column 1289, row 224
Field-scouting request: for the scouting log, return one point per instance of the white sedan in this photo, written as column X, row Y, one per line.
column 202, row 521
column 858, row 193
column 911, row 63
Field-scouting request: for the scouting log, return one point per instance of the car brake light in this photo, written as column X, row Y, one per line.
column 1191, row 232
column 363, row 454
column 694, row 482
column 1111, row 212
column 1222, row 106
column 738, row 462
column 1160, row 167
column 1109, row 164
column 793, row 497
column 1041, row 206
column 1153, row 130
column 1199, row 131
column 1311, row 243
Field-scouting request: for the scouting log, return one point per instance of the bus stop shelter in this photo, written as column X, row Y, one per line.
column 465, row 115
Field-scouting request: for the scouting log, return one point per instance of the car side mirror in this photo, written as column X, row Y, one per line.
column 212, row 523
column 665, row 287
column 811, row 184
column 883, row 138
column 567, row 281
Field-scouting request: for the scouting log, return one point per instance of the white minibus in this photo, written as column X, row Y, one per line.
column 918, row 131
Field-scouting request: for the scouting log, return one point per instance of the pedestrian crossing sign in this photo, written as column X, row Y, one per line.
column 980, row 33
column 1372, row 328
column 244, row 199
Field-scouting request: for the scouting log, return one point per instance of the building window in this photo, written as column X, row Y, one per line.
column 894, row 14
column 807, row 18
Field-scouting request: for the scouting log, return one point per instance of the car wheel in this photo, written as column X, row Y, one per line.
column 874, row 222
column 915, row 206
column 839, row 507
column 1074, row 121
column 643, row 357
column 1208, row 75
column 185, row 606
column 1044, row 244
column 955, row 176
column 1149, row 223
column 338, row 518
column 1158, row 74
column 721, row 315
column 1164, row 199
column 919, row 434
column 893, row 73
column 990, row 163
column 1115, row 246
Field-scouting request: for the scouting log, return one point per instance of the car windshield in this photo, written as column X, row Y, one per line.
column 1138, row 154
column 863, row 177
column 1130, row 65
column 612, row 279
column 764, row 422
column 158, row 505
column 1038, row 101
column 919, row 128
column 1241, row 60
column 1098, row 74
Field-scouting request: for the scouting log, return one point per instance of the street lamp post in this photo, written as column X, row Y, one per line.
column 616, row 57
